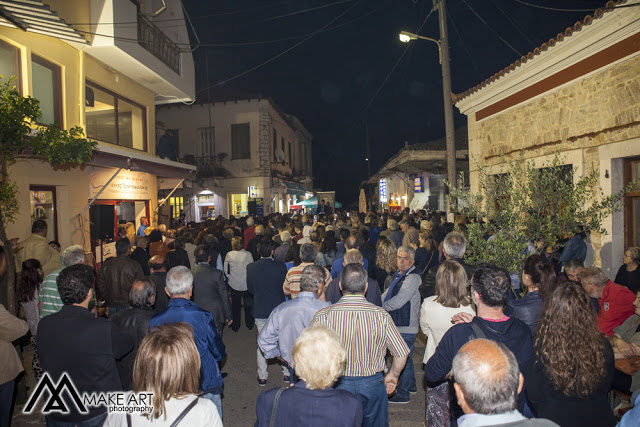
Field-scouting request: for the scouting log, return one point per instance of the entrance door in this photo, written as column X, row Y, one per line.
column 632, row 203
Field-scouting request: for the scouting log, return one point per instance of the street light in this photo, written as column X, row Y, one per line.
column 443, row 50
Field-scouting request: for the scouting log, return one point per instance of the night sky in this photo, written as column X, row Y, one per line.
column 330, row 80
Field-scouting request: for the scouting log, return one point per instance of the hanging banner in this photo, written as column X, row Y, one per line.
column 382, row 185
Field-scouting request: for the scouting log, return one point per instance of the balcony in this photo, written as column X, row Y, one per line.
column 158, row 44
column 207, row 166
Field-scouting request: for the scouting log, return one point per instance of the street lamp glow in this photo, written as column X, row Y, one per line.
column 366, row 159
column 404, row 38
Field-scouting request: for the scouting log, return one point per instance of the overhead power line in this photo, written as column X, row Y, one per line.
column 490, row 28
column 515, row 25
column 558, row 9
column 311, row 9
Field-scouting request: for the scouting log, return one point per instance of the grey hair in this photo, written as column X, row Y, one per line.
column 489, row 386
column 408, row 250
column 179, row 280
column 455, row 245
column 353, row 256
column 250, row 221
column 312, row 278
column 392, row 224
column 353, row 279
column 73, row 255
column 285, row 236
column 141, row 292
column 404, row 222
column 308, row 252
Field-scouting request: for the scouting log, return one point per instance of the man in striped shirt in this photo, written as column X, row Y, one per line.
column 308, row 255
column 367, row 332
column 49, row 299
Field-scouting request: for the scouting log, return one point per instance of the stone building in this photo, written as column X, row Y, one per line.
column 578, row 94
column 252, row 158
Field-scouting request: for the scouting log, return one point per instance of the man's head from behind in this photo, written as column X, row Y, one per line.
column 39, row 227
column 75, row 283
column 142, row 293
column 454, row 245
column 308, row 252
column 123, row 246
column 312, row 278
column 487, row 378
column 179, row 282
column 353, row 279
column 492, row 284
column 73, row 255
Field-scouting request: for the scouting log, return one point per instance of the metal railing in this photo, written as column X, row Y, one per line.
column 158, row 44
column 206, row 164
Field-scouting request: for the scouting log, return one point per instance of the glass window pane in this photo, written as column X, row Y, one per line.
column 130, row 123
column 100, row 115
column 636, row 171
column 43, row 91
column 42, row 207
column 8, row 60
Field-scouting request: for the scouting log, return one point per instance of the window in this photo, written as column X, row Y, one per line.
column 282, row 144
column 275, row 145
column 46, row 78
column 177, row 206
column 43, row 206
column 207, row 141
column 240, row 141
column 631, row 203
column 114, row 119
column 10, row 63
column 290, row 158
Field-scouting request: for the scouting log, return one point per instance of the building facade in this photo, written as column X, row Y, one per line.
column 104, row 74
column 252, row 158
column 578, row 94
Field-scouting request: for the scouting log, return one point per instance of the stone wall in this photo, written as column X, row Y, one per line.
column 589, row 112
column 265, row 144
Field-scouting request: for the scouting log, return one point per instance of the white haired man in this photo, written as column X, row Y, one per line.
column 181, row 309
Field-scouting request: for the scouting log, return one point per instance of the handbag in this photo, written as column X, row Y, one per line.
column 177, row 420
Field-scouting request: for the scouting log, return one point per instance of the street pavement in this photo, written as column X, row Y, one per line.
column 241, row 387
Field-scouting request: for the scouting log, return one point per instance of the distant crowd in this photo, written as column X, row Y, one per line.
column 338, row 300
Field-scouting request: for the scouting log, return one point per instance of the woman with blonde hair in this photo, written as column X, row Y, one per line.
column 386, row 261
column 319, row 359
column 427, row 255
column 168, row 365
column 451, row 297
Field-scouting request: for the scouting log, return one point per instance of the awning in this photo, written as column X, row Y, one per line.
column 139, row 162
column 35, row 17
column 294, row 188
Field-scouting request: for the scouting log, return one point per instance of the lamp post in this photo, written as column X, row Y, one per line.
column 443, row 51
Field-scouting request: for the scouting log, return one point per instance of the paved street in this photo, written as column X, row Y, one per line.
column 242, row 390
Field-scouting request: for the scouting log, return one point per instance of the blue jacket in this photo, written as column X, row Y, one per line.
column 575, row 248
column 208, row 341
column 527, row 309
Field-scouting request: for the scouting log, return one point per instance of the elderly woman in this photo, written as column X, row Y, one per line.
column 629, row 273
column 168, row 365
column 318, row 359
column 235, row 268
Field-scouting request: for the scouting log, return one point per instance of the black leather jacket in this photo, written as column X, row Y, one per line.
column 135, row 322
column 115, row 279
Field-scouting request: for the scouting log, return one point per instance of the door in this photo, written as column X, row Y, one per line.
column 631, row 203
column 43, row 206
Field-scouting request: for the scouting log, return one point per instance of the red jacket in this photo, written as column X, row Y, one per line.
column 616, row 305
column 249, row 234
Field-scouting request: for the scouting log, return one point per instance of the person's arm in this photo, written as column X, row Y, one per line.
column 424, row 313
column 214, row 342
column 224, row 295
column 121, row 342
column 11, row 328
column 219, row 263
column 439, row 366
column 391, row 379
column 399, row 350
column 286, row 288
column 268, row 338
column 249, row 280
column 409, row 288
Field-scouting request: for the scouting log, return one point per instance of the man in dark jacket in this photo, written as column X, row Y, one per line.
column 453, row 248
column 252, row 246
column 116, row 277
column 158, row 268
column 210, row 289
column 490, row 286
column 135, row 321
column 141, row 255
column 333, row 293
column 74, row 341
column 264, row 281
column 208, row 341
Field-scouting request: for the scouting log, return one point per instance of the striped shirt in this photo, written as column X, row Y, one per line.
column 291, row 285
column 49, row 296
column 367, row 333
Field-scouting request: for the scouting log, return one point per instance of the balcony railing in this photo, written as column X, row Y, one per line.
column 158, row 44
column 206, row 165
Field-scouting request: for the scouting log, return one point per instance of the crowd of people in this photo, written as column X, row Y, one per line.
column 338, row 300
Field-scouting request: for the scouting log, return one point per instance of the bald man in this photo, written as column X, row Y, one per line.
column 487, row 384
column 158, row 267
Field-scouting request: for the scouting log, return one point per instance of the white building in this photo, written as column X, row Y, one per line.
column 252, row 158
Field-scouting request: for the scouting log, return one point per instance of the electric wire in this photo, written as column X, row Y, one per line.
column 464, row 46
column 490, row 28
column 558, row 9
column 311, row 9
column 515, row 25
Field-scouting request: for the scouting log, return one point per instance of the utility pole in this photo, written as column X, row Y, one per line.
column 446, row 92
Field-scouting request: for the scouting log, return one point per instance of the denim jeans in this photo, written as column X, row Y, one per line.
column 6, row 402
column 407, row 379
column 215, row 398
column 96, row 421
column 373, row 394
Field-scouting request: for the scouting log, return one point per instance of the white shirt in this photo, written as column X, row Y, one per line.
column 204, row 414
column 235, row 268
column 435, row 321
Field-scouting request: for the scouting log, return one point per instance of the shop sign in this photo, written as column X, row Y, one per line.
column 260, row 206
column 417, row 184
column 382, row 185
column 127, row 185
column 206, row 199
column 253, row 192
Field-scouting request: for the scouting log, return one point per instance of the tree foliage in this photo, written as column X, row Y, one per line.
column 21, row 135
column 523, row 202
